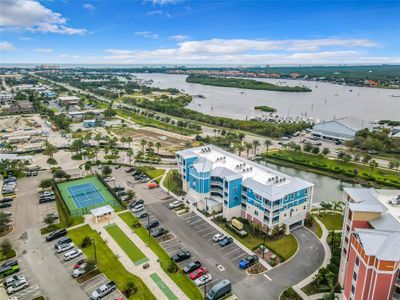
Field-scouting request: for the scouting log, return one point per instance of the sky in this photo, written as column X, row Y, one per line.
column 200, row 32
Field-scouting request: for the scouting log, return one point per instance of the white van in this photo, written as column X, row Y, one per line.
column 72, row 254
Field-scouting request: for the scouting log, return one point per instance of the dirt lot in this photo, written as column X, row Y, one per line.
column 170, row 142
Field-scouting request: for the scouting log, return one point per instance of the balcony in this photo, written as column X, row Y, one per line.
column 397, row 282
column 396, row 296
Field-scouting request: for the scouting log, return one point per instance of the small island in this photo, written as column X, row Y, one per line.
column 243, row 83
column 265, row 108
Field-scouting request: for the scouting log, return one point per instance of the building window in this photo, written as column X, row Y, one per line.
column 357, row 261
column 256, row 213
column 353, row 289
column 355, row 275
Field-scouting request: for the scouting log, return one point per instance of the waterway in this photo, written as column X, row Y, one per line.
column 326, row 101
column 326, row 189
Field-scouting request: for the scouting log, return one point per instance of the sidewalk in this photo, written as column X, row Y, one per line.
column 144, row 274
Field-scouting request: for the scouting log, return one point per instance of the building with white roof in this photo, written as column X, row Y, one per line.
column 370, row 246
column 217, row 180
column 335, row 130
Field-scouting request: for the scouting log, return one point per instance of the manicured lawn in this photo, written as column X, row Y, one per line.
column 108, row 263
column 330, row 220
column 285, row 246
column 186, row 285
column 8, row 255
column 166, row 290
column 290, row 294
column 173, row 182
column 126, row 244
column 318, row 230
column 153, row 173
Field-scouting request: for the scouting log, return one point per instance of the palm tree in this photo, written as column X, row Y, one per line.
column 336, row 205
column 143, row 144
column 372, row 165
column 325, row 206
column 248, row 147
column 130, row 154
column 129, row 140
column 123, row 141
column 158, row 146
column 268, row 143
column 49, row 149
column 240, row 148
column 150, row 145
column 98, row 138
column 256, row 144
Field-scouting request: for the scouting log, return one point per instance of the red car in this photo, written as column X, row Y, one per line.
column 79, row 263
column 197, row 273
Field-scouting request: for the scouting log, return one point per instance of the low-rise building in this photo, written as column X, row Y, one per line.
column 68, row 100
column 216, row 180
column 19, row 107
column 335, row 130
column 370, row 245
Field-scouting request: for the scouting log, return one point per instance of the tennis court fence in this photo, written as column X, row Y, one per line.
column 86, row 210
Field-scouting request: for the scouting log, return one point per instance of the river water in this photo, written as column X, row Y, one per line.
column 326, row 189
column 326, row 101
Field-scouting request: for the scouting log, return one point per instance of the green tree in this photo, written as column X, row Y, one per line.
column 307, row 147
column 267, row 144
column 325, row 151
column 372, row 165
column 49, row 149
column 129, row 153
column 315, row 150
column 49, row 219
column 248, row 147
column 46, row 183
column 325, row 206
column 143, row 144
column 60, row 174
column 5, row 221
column 5, row 247
column 129, row 140
column 158, row 146
column 256, row 144
column 240, row 149
column 106, row 170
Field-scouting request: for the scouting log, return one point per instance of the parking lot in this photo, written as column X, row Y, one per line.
column 32, row 290
column 91, row 285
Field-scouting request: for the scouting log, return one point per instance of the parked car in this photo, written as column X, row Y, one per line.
column 9, row 268
column 47, row 199
column 118, row 189
column 248, row 261
column 218, row 237
column 4, row 205
column 136, row 202
column 64, row 240
column 28, row 174
column 225, row 241
column 79, row 263
column 6, row 199
column 157, row 232
column 79, row 271
column 197, row 273
column 219, row 290
column 143, row 215
column 152, row 224
column 203, row 280
column 121, row 193
column 137, row 208
column 181, row 256
column 175, row 204
column 103, row 291
column 191, row 267
column 56, row 234
column 18, row 285
column 35, row 173
column 64, row 247
column 109, row 178
column 46, row 193
column 130, row 170
column 10, row 280
column 72, row 254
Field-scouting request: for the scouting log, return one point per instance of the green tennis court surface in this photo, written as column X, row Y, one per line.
column 165, row 289
column 83, row 194
column 134, row 253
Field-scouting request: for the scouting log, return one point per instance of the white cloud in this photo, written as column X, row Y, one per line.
column 89, row 6
column 33, row 16
column 44, row 50
column 6, row 46
column 147, row 35
column 158, row 12
column 244, row 51
column 25, row 38
column 164, row 2
column 179, row 37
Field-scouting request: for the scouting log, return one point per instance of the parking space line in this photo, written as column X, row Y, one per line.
column 194, row 216
column 167, row 241
column 266, row 276
column 93, row 285
column 198, row 231
column 208, row 234
column 243, row 254
column 195, row 222
column 230, row 252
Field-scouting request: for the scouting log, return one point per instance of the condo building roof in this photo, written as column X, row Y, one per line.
column 263, row 180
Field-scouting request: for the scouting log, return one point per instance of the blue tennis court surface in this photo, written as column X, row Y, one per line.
column 85, row 195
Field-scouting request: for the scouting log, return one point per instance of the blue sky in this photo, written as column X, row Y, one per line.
column 199, row 32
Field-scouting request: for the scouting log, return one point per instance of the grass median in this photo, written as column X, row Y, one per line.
column 181, row 280
column 108, row 263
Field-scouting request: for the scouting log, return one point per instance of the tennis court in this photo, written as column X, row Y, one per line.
column 82, row 195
